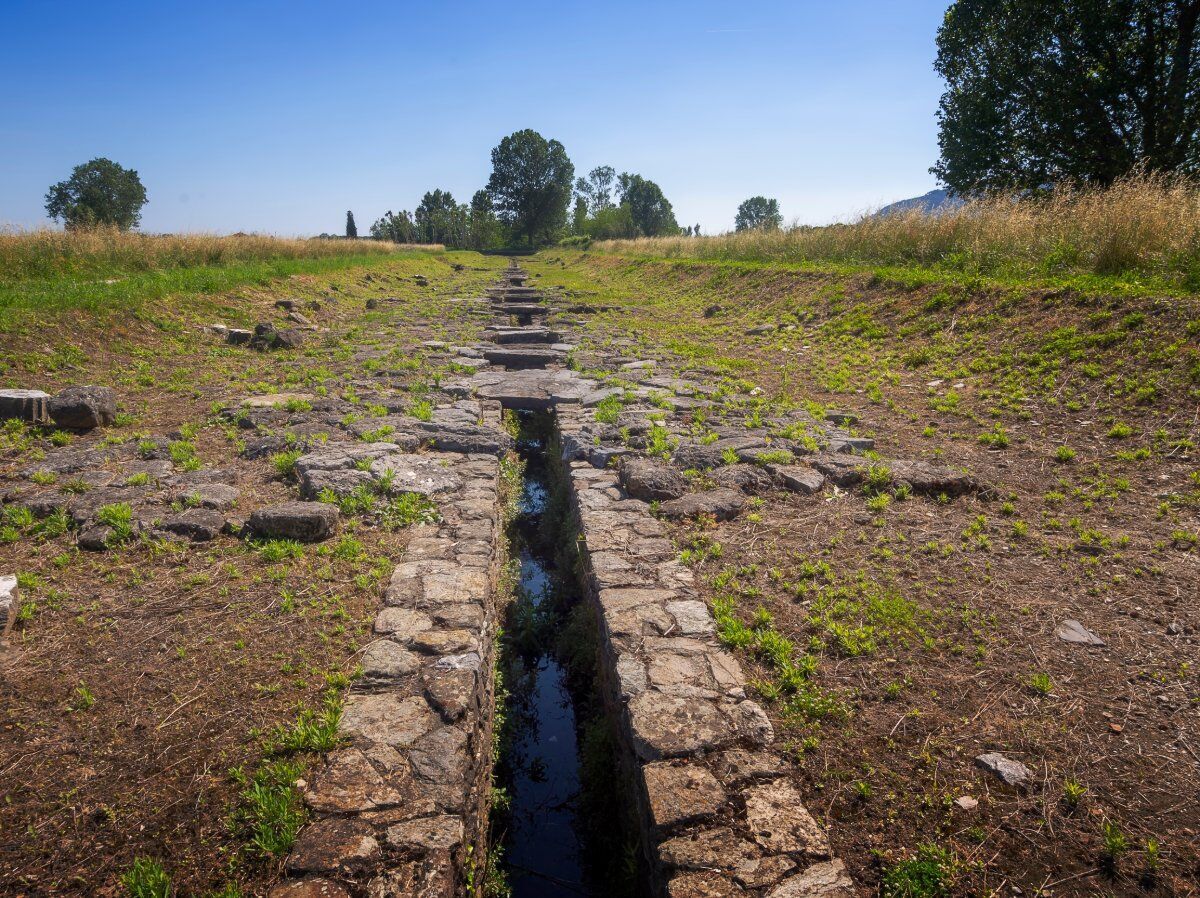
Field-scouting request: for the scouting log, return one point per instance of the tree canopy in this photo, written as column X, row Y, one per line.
column 1042, row 91
column 440, row 219
column 648, row 208
column 531, row 184
column 99, row 192
column 351, row 227
column 758, row 212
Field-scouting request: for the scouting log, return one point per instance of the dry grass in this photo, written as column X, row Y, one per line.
column 52, row 254
column 1147, row 226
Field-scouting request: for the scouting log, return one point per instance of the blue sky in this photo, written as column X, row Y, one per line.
column 279, row 116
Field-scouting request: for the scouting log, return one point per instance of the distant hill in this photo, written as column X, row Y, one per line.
column 933, row 201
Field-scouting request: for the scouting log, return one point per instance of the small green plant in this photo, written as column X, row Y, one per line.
column 1041, row 683
column 146, row 879
column 608, row 409
column 139, row 479
column 1114, row 846
column 284, row 462
column 1073, row 792
column 1064, row 454
column 272, row 810
column 276, row 550
column 930, row 874
column 83, row 699
column 1120, row 431
column 118, row 517
column 422, row 410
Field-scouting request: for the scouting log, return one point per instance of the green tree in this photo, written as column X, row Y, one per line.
column 1042, row 91
column 649, row 209
column 760, row 213
column 99, row 192
column 482, row 225
column 398, row 228
column 441, row 220
column 597, row 188
column 531, row 184
column 351, row 227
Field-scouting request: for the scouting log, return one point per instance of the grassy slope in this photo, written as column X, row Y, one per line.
column 928, row 626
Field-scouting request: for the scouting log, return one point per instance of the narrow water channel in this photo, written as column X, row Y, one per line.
column 555, row 835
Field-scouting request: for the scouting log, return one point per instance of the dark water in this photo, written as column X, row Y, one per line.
column 544, row 852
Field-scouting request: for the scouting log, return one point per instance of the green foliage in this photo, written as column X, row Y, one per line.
column 146, row 879
column 758, row 213
column 930, row 874
column 284, row 462
column 351, row 227
column 99, row 192
column 1026, row 79
column 119, row 517
column 649, row 209
column 272, row 810
column 531, row 184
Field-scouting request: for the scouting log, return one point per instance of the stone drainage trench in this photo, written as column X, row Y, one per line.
column 629, row 760
column 553, row 838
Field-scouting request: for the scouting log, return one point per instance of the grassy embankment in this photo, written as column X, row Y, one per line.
column 893, row 637
column 45, row 274
column 1141, row 235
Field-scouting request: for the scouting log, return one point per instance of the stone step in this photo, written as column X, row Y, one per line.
column 503, row 335
column 517, row 356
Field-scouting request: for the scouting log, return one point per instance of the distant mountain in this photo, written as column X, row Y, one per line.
column 933, row 201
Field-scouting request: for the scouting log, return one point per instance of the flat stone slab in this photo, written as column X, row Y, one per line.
column 1010, row 772
column 828, row 879
column 681, row 793
column 1075, row 632
column 306, row 522
column 518, row 357
column 10, row 604
column 779, row 822
column 25, row 405
column 84, row 408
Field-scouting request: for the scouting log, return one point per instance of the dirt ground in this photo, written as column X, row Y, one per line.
column 929, row 622
column 150, row 689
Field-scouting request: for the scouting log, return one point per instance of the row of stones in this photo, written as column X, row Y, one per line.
column 400, row 808
column 718, row 815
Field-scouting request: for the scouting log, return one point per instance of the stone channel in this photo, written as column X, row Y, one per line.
column 402, row 809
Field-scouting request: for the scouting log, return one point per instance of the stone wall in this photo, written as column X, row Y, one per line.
column 717, row 814
column 401, row 808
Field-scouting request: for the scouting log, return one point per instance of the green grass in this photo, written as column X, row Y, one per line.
column 929, row 874
column 133, row 291
column 146, row 879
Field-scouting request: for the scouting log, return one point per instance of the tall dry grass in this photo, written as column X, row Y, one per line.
column 1144, row 225
column 55, row 254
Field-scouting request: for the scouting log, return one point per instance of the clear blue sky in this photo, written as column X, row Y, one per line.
column 280, row 116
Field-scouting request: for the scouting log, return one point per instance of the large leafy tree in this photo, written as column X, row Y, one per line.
column 483, row 227
column 597, row 188
column 758, row 212
column 531, row 184
column 648, row 208
column 1041, row 91
column 396, row 227
column 441, row 220
column 99, row 192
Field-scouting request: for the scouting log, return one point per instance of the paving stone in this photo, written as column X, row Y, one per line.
column 83, row 408
column 385, row 661
column 303, row 521
column 723, row 504
column 218, row 496
column 669, row 726
column 10, row 603
column 649, row 479
column 316, row 887
column 779, row 822
column 403, row 624
column 443, row 832
column 758, row 873
column 702, row 885
column 1075, row 632
column 197, row 524
column 828, row 879
column 393, row 720
column 713, row 849
column 739, row 766
column 797, row 478
column 692, row 618
column 1010, row 772
column 334, row 844
column 441, row 757
column 26, row 405
column 681, row 793
column 450, row 692
column 348, row 782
